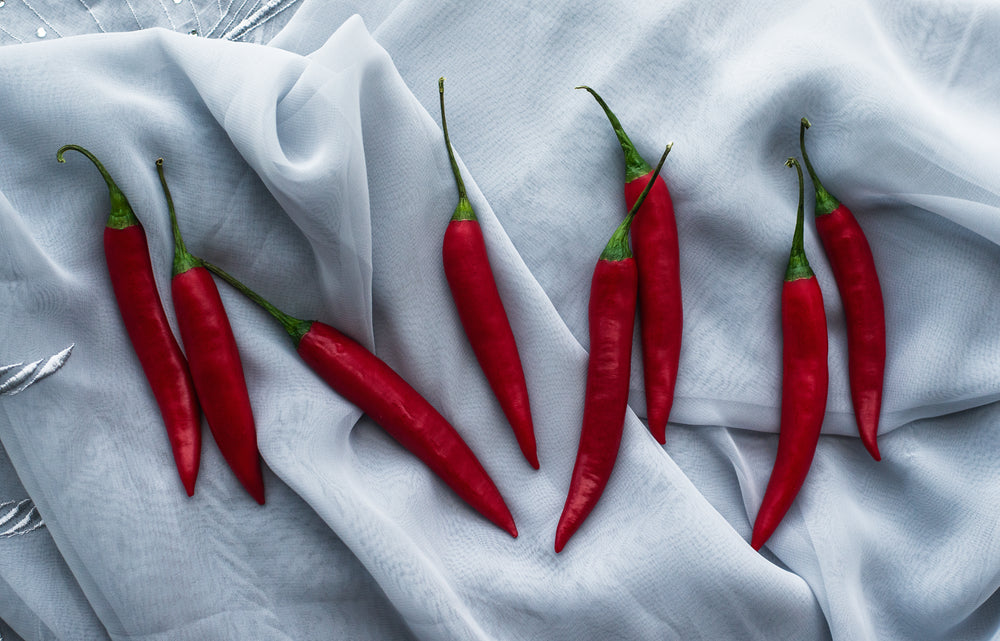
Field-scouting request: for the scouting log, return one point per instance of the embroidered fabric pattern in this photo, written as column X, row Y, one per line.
column 21, row 517
column 18, row 518
column 28, row 375
column 267, row 11
column 32, row 20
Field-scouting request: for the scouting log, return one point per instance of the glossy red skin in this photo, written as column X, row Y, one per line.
column 661, row 317
column 854, row 270
column 127, row 255
column 474, row 290
column 217, row 372
column 612, row 317
column 369, row 383
column 804, row 383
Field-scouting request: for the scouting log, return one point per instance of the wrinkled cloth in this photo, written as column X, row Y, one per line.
column 311, row 165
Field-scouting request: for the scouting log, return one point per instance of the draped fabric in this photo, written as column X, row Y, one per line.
column 303, row 148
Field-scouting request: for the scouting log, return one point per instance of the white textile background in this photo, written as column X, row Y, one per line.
column 310, row 163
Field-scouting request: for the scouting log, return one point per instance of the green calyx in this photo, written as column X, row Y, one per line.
column 296, row 327
column 798, row 266
column 618, row 247
column 635, row 165
column 121, row 215
column 463, row 211
column 183, row 259
column 825, row 202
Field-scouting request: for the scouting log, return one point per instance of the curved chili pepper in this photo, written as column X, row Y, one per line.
column 369, row 383
column 661, row 316
column 613, row 291
column 215, row 362
column 127, row 254
column 804, row 382
column 853, row 267
column 474, row 290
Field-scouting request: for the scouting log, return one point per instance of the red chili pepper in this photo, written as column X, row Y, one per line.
column 369, row 383
column 661, row 316
column 215, row 362
column 613, row 291
column 854, row 270
column 127, row 254
column 474, row 290
column 804, row 382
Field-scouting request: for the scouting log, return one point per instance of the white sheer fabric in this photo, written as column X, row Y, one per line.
column 314, row 169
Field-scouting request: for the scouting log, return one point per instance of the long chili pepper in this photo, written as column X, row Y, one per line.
column 127, row 254
column 661, row 316
column 474, row 290
column 369, row 383
column 804, row 382
column 853, row 267
column 215, row 362
column 613, row 291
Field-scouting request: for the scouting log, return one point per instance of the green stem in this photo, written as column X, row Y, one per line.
column 464, row 209
column 798, row 266
column 635, row 165
column 825, row 202
column 183, row 260
column 617, row 248
column 295, row 327
column 121, row 215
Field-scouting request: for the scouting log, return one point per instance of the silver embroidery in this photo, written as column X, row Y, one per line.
column 197, row 18
column 226, row 19
column 232, row 18
column 31, row 373
column 12, row 35
column 98, row 22
column 14, row 382
column 7, row 368
column 222, row 16
column 41, row 30
column 134, row 16
column 173, row 25
column 19, row 517
column 269, row 10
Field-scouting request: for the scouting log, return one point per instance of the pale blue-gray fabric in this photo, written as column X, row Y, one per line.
column 304, row 154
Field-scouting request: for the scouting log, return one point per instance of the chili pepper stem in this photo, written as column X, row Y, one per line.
column 618, row 247
column 825, row 202
column 463, row 211
column 635, row 165
column 798, row 266
column 295, row 327
column 183, row 260
column 122, row 215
